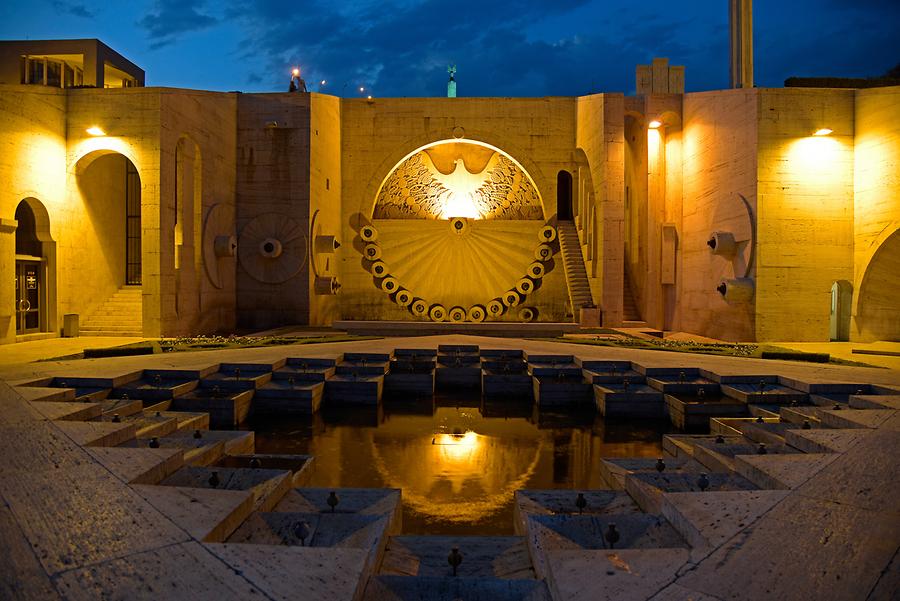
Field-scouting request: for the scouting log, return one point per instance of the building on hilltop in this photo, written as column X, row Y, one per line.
column 746, row 214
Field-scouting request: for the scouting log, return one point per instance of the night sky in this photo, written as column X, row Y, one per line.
column 519, row 48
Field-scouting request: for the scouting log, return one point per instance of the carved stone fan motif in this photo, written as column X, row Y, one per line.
column 417, row 189
column 273, row 248
column 463, row 270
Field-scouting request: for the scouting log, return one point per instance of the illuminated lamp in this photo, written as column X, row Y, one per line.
column 95, row 131
column 655, row 124
column 295, row 72
column 825, row 131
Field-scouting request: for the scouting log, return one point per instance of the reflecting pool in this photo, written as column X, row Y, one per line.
column 458, row 465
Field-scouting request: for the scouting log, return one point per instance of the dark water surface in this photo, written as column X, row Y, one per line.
column 459, row 466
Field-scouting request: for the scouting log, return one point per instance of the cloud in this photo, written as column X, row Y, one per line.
column 403, row 49
column 173, row 18
column 73, row 8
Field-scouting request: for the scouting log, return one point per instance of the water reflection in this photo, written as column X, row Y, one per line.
column 458, row 468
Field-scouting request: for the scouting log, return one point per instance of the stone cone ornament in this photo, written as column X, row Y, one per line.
column 454, row 559
column 301, row 531
column 703, row 482
column 580, row 502
column 612, row 535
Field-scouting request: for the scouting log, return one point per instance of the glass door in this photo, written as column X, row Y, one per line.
column 28, row 297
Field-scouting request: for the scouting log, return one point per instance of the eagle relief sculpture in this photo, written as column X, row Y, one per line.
column 417, row 189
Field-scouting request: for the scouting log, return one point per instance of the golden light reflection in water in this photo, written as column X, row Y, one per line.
column 457, row 474
column 457, row 448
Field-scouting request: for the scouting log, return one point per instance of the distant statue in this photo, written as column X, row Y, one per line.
column 451, row 85
column 298, row 84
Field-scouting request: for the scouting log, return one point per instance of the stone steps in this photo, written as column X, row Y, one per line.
column 573, row 262
column 119, row 315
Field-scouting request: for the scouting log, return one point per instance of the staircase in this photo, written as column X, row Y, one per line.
column 631, row 317
column 576, row 274
column 120, row 315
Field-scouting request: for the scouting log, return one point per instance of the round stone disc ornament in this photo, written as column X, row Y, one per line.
column 273, row 248
column 543, row 252
column 525, row 286
column 379, row 269
column 495, row 308
column 511, row 298
column 372, row 252
column 404, row 298
column 536, row 270
column 547, row 234
column 368, row 233
column 437, row 313
column 390, row 285
column 457, row 314
column 527, row 314
column 419, row 308
column 475, row 313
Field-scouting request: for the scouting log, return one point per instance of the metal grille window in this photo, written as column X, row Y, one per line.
column 132, row 225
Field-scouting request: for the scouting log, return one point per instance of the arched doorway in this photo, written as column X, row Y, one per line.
column 564, row 196
column 841, row 298
column 35, row 269
column 878, row 305
column 108, row 293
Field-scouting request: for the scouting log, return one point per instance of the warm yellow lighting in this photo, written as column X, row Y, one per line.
column 295, row 72
column 361, row 89
column 369, row 97
column 462, row 186
column 457, row 447
column 95, row 131
column 823, row 132
column 655, row 124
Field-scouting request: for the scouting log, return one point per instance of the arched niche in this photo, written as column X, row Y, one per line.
column 841, row 303
column 458, row 178
column 110, row 245
column 878, row 304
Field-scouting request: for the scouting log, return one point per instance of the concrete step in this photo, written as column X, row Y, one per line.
column 268, row 486
column 482, row 556
column 385, row 588
column 96, row 333
column 109, row 327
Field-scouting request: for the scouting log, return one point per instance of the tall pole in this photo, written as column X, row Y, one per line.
column 741, row 21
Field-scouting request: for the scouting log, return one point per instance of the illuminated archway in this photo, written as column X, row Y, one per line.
column 878, row 308
column 458, row 178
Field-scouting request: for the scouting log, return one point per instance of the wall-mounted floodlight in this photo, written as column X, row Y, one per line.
column 95, row 131
column 655, row 124
column 823, row 132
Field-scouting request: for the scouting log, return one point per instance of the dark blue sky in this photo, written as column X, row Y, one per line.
column 519, row 48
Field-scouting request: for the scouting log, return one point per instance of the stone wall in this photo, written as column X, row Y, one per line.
column 805, row 209
column 325, row 204
column 719, row 152
column 32, row 164
column 600, row 135
column 198, row 137
column 131, row 120
column 539, row 133
column 273, row 188
column 876, row 306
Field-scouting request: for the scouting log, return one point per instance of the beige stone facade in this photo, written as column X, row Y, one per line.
column 259, row 210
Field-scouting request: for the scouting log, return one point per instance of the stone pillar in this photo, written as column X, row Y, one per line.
column 741, row 21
